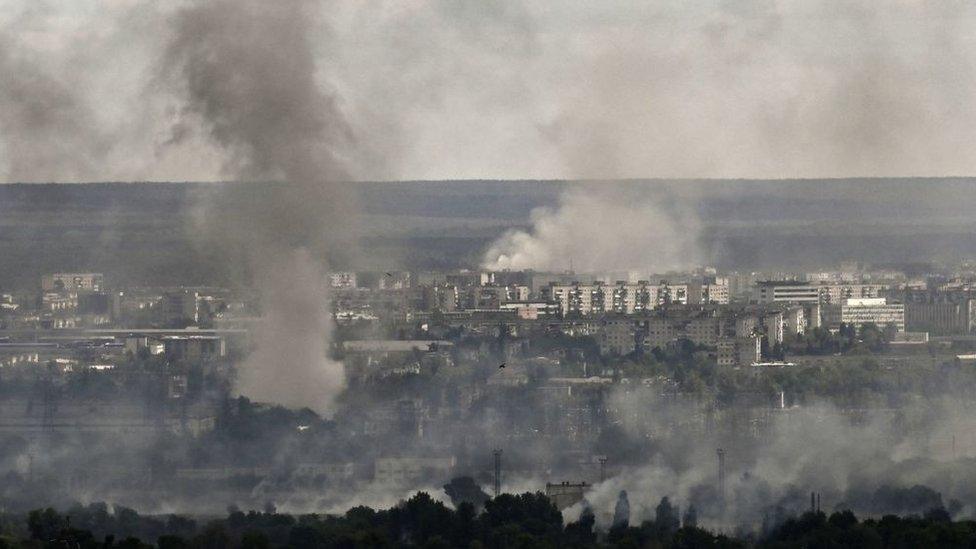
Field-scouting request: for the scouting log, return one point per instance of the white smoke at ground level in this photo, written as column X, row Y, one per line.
column 602, row 230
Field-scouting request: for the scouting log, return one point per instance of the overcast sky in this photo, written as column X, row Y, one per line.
column 547, row 89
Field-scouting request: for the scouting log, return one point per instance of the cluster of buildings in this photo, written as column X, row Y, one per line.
column 401, row 325
column 737, row 317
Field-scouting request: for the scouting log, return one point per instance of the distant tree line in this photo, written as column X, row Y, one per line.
column 522, row 521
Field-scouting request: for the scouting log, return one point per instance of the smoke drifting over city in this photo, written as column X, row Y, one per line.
column 775, row 89
column 603, row 229
column 486, row 273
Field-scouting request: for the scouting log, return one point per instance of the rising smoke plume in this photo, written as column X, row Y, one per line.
column 248, row 76
column 601, row 228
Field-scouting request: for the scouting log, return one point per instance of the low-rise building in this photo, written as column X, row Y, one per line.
column 194, row 348
column 566, row 494
column 407, row 470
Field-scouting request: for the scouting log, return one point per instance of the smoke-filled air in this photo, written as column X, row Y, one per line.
column 246, row 71
column 602, row 228
column 487, row 273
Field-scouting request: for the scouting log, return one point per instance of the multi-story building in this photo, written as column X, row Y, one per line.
column 940, row 312
column 72, row 282
column 617, row 336
column 835, row 292
column 576, row 298
column 629, row 298
column 342, row 279
column 744, row 325
column 492, row 297
column 773, row 326
column 180, row 307
column 794, row 320
column 791, row 291
column 658, row 331
column 393, row 280
column 739, row 351
column 858, row 312
column 59, row 301
column 465, row 278
column 717, row 291
column 705, row 329
column 699, row 327
column 672, row 294
column 443, row 297
column 812, row 315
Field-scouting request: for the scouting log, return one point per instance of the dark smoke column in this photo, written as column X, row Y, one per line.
column 247, row 76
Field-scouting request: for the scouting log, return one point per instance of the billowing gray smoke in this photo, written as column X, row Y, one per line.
column 248, row 75
column 602, row 228
column 46, row 132
column 777, row 88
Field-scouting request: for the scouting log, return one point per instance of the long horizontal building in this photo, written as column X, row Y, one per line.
column 630, row 298
column 792, row 291
column 859, row 312
column 940, row 313
column 787, row 291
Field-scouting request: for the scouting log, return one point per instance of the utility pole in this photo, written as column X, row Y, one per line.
column 721, row 474
column 498, row 472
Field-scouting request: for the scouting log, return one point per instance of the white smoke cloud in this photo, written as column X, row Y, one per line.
column 602, row 228
column 816, row 448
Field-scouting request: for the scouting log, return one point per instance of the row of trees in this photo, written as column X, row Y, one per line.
column 525, row 520
column 870, row 338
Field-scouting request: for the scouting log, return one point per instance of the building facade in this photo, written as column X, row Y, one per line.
column 861, row 311
column 787, row 292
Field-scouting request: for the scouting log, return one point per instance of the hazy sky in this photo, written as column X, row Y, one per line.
column 547, row 89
